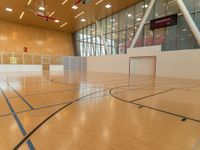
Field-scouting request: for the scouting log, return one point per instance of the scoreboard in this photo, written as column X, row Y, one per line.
column 163, row 22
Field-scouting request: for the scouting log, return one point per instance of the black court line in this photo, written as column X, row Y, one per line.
column 156, row 109
column 44, row 93
column 142, row 88
column 23, row 99
column 138, row 99
column 53, row 105
column 18, row 82
column 23, row 131
column 49, row 117
column 188, row 90
column 171, row 89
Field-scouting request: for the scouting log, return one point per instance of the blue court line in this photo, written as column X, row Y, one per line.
column 49, row 106
column 59, row 91
column 25, row 101
column 23, row 131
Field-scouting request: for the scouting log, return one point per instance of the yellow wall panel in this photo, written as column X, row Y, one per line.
column 14, row 37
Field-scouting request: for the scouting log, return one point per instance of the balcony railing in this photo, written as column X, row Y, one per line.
column 31, row 59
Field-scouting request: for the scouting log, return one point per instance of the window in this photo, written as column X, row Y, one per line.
column 115, row 23
column 130, row 17
column 130, row 35
column 198, row 4
column 122, row 42
column 115, row 42
column 159, row 36
column 103, row 25
column 160, row 8
column 123, row 20
column 171, row 38
column 172, row 7
column 139, row 12
column 190, row 4
column 185, row 36
column 148, row 36
column 198, row 25
column 120, row 28
column 109, row 24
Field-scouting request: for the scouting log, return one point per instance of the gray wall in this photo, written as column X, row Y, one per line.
column 75, row 63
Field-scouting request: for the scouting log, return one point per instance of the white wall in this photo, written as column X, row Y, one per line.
column 56, row 67
column 114, row 64
column 119, row 63
column 20, row 68
column 143, row 66
column 178, row 64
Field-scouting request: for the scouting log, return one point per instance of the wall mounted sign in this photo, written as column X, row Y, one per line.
column 163, row 22
column 25, row 49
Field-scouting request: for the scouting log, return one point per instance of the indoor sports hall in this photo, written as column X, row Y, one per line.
column 100, row 74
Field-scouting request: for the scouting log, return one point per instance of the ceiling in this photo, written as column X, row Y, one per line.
column 64, row 13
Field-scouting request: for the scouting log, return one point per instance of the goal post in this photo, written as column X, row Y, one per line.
column 142, row 65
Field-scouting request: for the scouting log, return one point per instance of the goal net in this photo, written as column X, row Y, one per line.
column 142, row 65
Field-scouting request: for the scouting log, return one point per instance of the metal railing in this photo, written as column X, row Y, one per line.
column 22, row 58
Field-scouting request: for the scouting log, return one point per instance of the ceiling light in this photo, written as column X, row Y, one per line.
column 74, row 7
column 63, row 3
column 41, row 8
column 29, row 2
column 112, row 20
column 63, row 25
column 113, row 28
column 138, row 19
column 52, row 14
column 129, row 15
column 83, row 20
column 79, row 14
column 99, row 2
column 9, row 9
column 21, row 16
column 144, row 6
column 108, row 6
column 57, row 21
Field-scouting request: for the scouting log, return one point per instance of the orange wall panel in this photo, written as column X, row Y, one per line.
column 14, row 37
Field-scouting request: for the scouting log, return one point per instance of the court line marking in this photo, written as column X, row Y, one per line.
column 189, row 90
column 138, row 99
column 49, row 117
column 23, row 131
column 22, row 98
column 156, row 109
column 19, row 95
column 53, row 105
column 60, row 91
column 142, row 88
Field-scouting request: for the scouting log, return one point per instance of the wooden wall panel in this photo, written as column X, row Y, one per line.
column 14, row 37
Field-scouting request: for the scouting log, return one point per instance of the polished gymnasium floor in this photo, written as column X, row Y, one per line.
column 98, row 111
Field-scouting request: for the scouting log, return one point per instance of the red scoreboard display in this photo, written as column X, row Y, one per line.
column 163, row 22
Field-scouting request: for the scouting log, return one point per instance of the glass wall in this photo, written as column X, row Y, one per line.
column 119, row 30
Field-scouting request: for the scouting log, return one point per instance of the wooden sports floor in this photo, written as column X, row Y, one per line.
column 98, row 111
